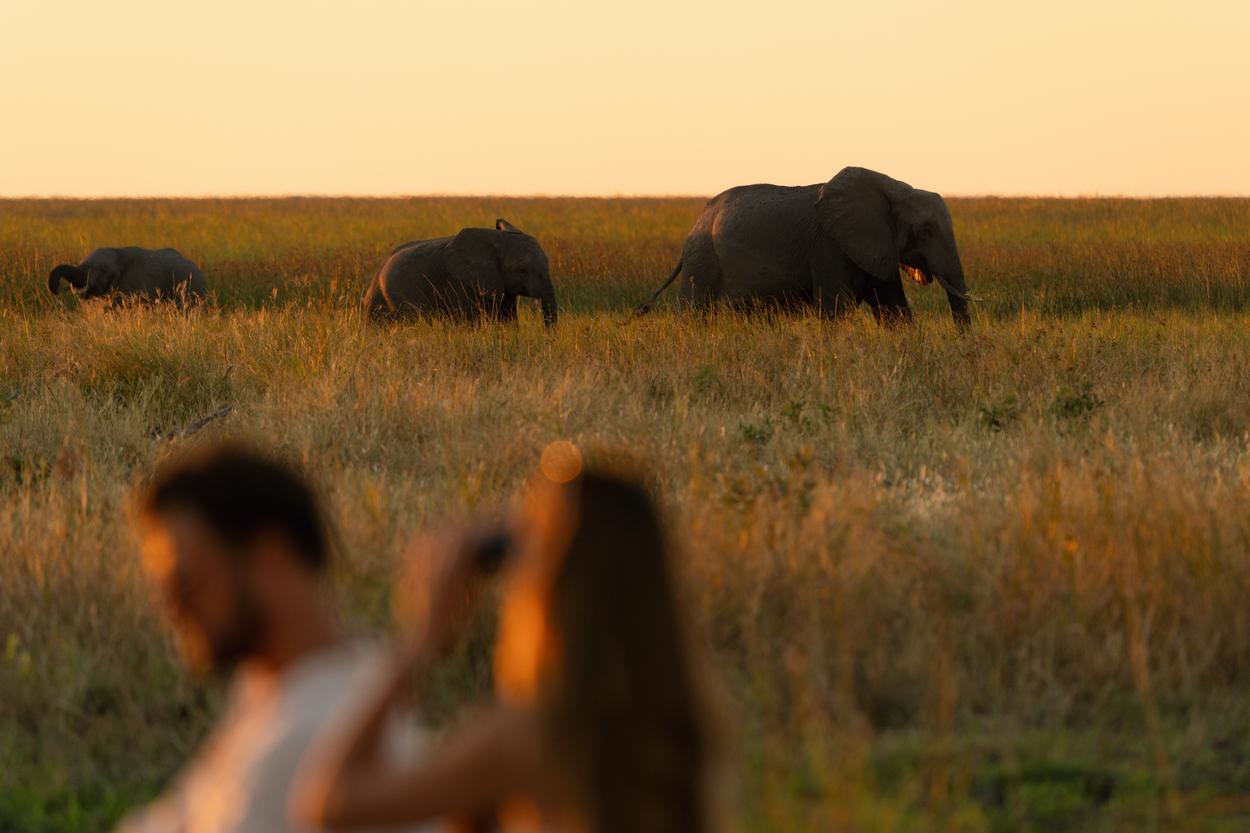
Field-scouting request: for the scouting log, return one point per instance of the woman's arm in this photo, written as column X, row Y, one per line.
column 349, row 783
column 475, row 767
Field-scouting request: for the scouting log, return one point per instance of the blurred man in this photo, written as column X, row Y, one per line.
column 237, row 546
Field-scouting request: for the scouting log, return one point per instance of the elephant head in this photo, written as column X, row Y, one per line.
column 504, row 260
column 95, row 276
column 883, row 225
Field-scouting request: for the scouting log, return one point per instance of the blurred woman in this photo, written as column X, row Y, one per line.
column 598, row 726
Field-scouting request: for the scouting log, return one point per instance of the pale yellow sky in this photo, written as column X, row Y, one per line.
column 143, row 97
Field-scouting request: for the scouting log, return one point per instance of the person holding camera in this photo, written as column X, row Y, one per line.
column 598, row 723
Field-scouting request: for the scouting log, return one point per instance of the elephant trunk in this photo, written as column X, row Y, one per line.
column 947, row 268
column 959, row 310
column 76, row 276
column 957, row 295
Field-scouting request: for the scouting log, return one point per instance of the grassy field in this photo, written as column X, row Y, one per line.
column 993, row 581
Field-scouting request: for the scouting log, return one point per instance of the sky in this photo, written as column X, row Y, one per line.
column 381, row 97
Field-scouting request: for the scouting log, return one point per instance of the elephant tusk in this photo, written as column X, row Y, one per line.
column 966, row 296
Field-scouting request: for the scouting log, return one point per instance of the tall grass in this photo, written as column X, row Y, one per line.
column 1049, row 256
column 985, row 582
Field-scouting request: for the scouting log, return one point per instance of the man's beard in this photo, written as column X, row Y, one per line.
column 231, row 646
column 219, row 652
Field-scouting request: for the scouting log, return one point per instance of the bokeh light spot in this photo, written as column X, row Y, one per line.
column 561, row 461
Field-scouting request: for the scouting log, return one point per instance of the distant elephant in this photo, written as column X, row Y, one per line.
column 833, row 246
column 147, row 274
column 479, row 272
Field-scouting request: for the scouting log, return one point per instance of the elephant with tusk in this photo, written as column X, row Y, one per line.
column 476, row 273
column 833, row 246
column 132, row 272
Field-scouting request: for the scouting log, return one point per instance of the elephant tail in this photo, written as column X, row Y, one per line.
column 646, row 307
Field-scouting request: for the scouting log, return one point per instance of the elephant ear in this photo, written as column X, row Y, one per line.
column 503, row 225
column 473, row 258
column 76, row 276
column 855, row 208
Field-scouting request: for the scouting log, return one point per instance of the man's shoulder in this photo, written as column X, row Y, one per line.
column 328, row 682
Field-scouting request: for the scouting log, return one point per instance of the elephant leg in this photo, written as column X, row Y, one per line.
column 373, row 304
column 462, row 304
column 702, row 278
column 832, row 278
column 506, row 309
column 695, row 295
column 888, row 302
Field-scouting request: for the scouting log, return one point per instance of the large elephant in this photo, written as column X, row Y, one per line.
column 479, row 272
column 833, row 246
column 131, row 272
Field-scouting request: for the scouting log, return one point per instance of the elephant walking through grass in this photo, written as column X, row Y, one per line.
column 132, row 272
column 477, row 273
column 832, row 246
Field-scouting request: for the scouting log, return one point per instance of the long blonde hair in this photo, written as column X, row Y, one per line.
column 621, row 708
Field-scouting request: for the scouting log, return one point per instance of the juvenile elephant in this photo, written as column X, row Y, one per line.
column 833, row 246
column 149, row 274
column 477, row 272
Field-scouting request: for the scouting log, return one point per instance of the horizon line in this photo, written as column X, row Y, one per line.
column 573, row 196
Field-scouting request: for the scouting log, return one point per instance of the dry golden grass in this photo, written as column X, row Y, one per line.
column 985, row 582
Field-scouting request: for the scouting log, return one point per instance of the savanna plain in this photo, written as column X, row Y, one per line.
column 982, row 581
